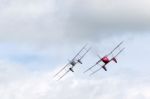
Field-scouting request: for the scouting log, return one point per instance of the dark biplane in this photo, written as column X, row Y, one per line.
column 72, row 63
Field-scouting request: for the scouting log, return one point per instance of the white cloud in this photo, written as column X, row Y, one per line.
column 41, row 85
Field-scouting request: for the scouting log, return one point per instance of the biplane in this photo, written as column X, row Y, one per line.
column 72, row 63
column 106, row 59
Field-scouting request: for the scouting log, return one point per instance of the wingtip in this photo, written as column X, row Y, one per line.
column 91, row 74
column 85, row 71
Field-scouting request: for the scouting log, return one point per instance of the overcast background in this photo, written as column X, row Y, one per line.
column 37, row 37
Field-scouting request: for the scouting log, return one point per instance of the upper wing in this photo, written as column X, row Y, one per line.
column 115, row 48
column 79, row 52
column 61, row 69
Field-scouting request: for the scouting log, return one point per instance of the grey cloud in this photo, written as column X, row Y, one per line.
column 105, row 18
column 50, row 20
column 29, row 21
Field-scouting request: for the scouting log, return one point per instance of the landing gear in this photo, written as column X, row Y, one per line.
column 71, row 69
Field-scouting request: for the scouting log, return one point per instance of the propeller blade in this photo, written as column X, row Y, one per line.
column 95, row 52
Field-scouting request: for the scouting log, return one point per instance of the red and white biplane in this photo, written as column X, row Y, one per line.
column 106, row 60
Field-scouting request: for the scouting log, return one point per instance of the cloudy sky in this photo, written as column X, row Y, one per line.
column 37, row 37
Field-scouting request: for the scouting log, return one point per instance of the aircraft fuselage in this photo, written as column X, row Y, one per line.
column 105, row 59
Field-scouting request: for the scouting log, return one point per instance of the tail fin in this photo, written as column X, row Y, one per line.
column 114, row 59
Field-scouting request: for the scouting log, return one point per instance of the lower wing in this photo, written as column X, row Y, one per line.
column 64, row 74
column 99, row 69
column 61, row 70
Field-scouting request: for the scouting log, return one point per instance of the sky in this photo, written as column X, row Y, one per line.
column 38, row 37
